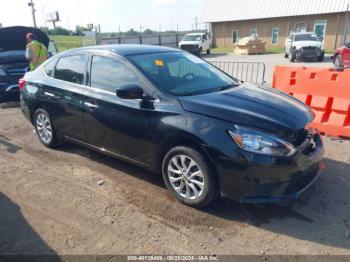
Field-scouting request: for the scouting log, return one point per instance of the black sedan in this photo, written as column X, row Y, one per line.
column 173, row 113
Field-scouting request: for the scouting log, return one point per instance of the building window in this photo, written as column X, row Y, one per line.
column 301, row 27
column 320, row 28
column 253, row 31
column 234, row 36
column 275, row 35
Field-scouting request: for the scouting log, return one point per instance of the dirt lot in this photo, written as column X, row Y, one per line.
column 50, row 202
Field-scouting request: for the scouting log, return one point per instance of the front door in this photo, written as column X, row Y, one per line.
column 117, row 125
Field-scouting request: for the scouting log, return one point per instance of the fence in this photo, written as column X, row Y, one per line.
column 251, row 72
column 161, row 40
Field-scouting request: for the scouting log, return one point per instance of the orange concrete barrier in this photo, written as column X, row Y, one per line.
column 325, row 90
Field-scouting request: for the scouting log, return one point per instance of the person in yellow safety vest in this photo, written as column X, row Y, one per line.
column 36, row 52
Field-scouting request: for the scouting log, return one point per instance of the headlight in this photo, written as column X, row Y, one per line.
column 2, row 72
column 261, row 143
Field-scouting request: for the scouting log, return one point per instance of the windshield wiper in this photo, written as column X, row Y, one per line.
column 222, row 88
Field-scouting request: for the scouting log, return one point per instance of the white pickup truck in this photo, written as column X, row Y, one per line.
column 196, row 43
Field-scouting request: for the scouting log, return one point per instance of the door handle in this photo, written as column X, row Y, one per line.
column 91, row 105
column 49, row 94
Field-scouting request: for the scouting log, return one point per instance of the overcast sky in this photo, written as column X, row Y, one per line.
column 109, row 13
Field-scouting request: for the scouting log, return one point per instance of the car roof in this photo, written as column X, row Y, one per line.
column 305, row 33
column 196, row 34
column 125, row 49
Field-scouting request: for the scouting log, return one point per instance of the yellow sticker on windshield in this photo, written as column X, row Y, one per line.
column 159, row 62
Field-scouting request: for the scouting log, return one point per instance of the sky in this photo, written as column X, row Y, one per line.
column 110, row 14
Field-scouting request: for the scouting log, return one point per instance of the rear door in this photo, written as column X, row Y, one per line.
column 117, row 125
column 64, row 95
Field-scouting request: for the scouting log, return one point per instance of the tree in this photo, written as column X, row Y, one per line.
column 59, row 31
column 149, row 32
column 131, row 32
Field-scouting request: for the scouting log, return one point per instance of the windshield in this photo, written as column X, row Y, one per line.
column 182, row 74
column 192, row 38
column 306, row 37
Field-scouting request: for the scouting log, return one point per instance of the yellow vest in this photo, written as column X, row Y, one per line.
column 39, row 54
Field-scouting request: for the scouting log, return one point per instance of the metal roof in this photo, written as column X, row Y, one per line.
column 239, row 10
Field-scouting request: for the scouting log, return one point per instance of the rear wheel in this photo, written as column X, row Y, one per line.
column 43, row 126
column 208, row 52
column 188, row 176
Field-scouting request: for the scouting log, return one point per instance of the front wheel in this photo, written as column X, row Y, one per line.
column 187, row 175
column 292, row 57
column 320, row 58
column 43, row 126
column 199, row 52
column 337, row 62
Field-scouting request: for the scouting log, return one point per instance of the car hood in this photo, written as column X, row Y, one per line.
column 190, row 42
column 262, row 108
column 300, row 44
column 14, row 38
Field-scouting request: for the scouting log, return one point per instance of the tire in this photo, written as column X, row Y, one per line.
column 199, row 52
column 337, row 62
column 208, row 52
column 44, row 128
column 286, row 55
column 292, row 57
column 174, row 166
column 320, row 58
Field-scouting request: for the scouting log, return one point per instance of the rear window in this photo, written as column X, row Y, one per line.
column 72, row 68
column 49, row 67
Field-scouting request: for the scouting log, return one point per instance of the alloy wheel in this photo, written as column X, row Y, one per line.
column 186, row 177
column 44, row 128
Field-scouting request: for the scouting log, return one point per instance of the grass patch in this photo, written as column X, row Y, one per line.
column 68, row 42
column 222, row 50
column 274, row 50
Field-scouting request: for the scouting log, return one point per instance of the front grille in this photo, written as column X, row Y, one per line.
column 297, row 137
column 188, row 47
column 310, row 51
column 16, row 72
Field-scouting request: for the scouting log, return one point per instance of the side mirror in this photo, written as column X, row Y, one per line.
column 130, row 92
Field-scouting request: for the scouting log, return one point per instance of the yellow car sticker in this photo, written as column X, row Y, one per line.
column 159, row 62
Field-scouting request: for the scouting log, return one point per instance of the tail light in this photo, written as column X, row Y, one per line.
column 21, row 84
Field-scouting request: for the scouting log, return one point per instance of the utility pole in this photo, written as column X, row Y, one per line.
column 196, row 23
column 346, row 26
column 32, row 5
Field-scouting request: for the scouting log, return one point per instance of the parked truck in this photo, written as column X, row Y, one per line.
column 196, row 43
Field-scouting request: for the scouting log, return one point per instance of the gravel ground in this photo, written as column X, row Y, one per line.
column 270, row 60
column 51, row 203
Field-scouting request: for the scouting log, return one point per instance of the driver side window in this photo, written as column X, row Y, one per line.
column 108, row 74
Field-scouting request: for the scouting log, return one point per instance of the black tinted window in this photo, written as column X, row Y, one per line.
column 71, row 68
column 108, row 74
column 50, row 66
